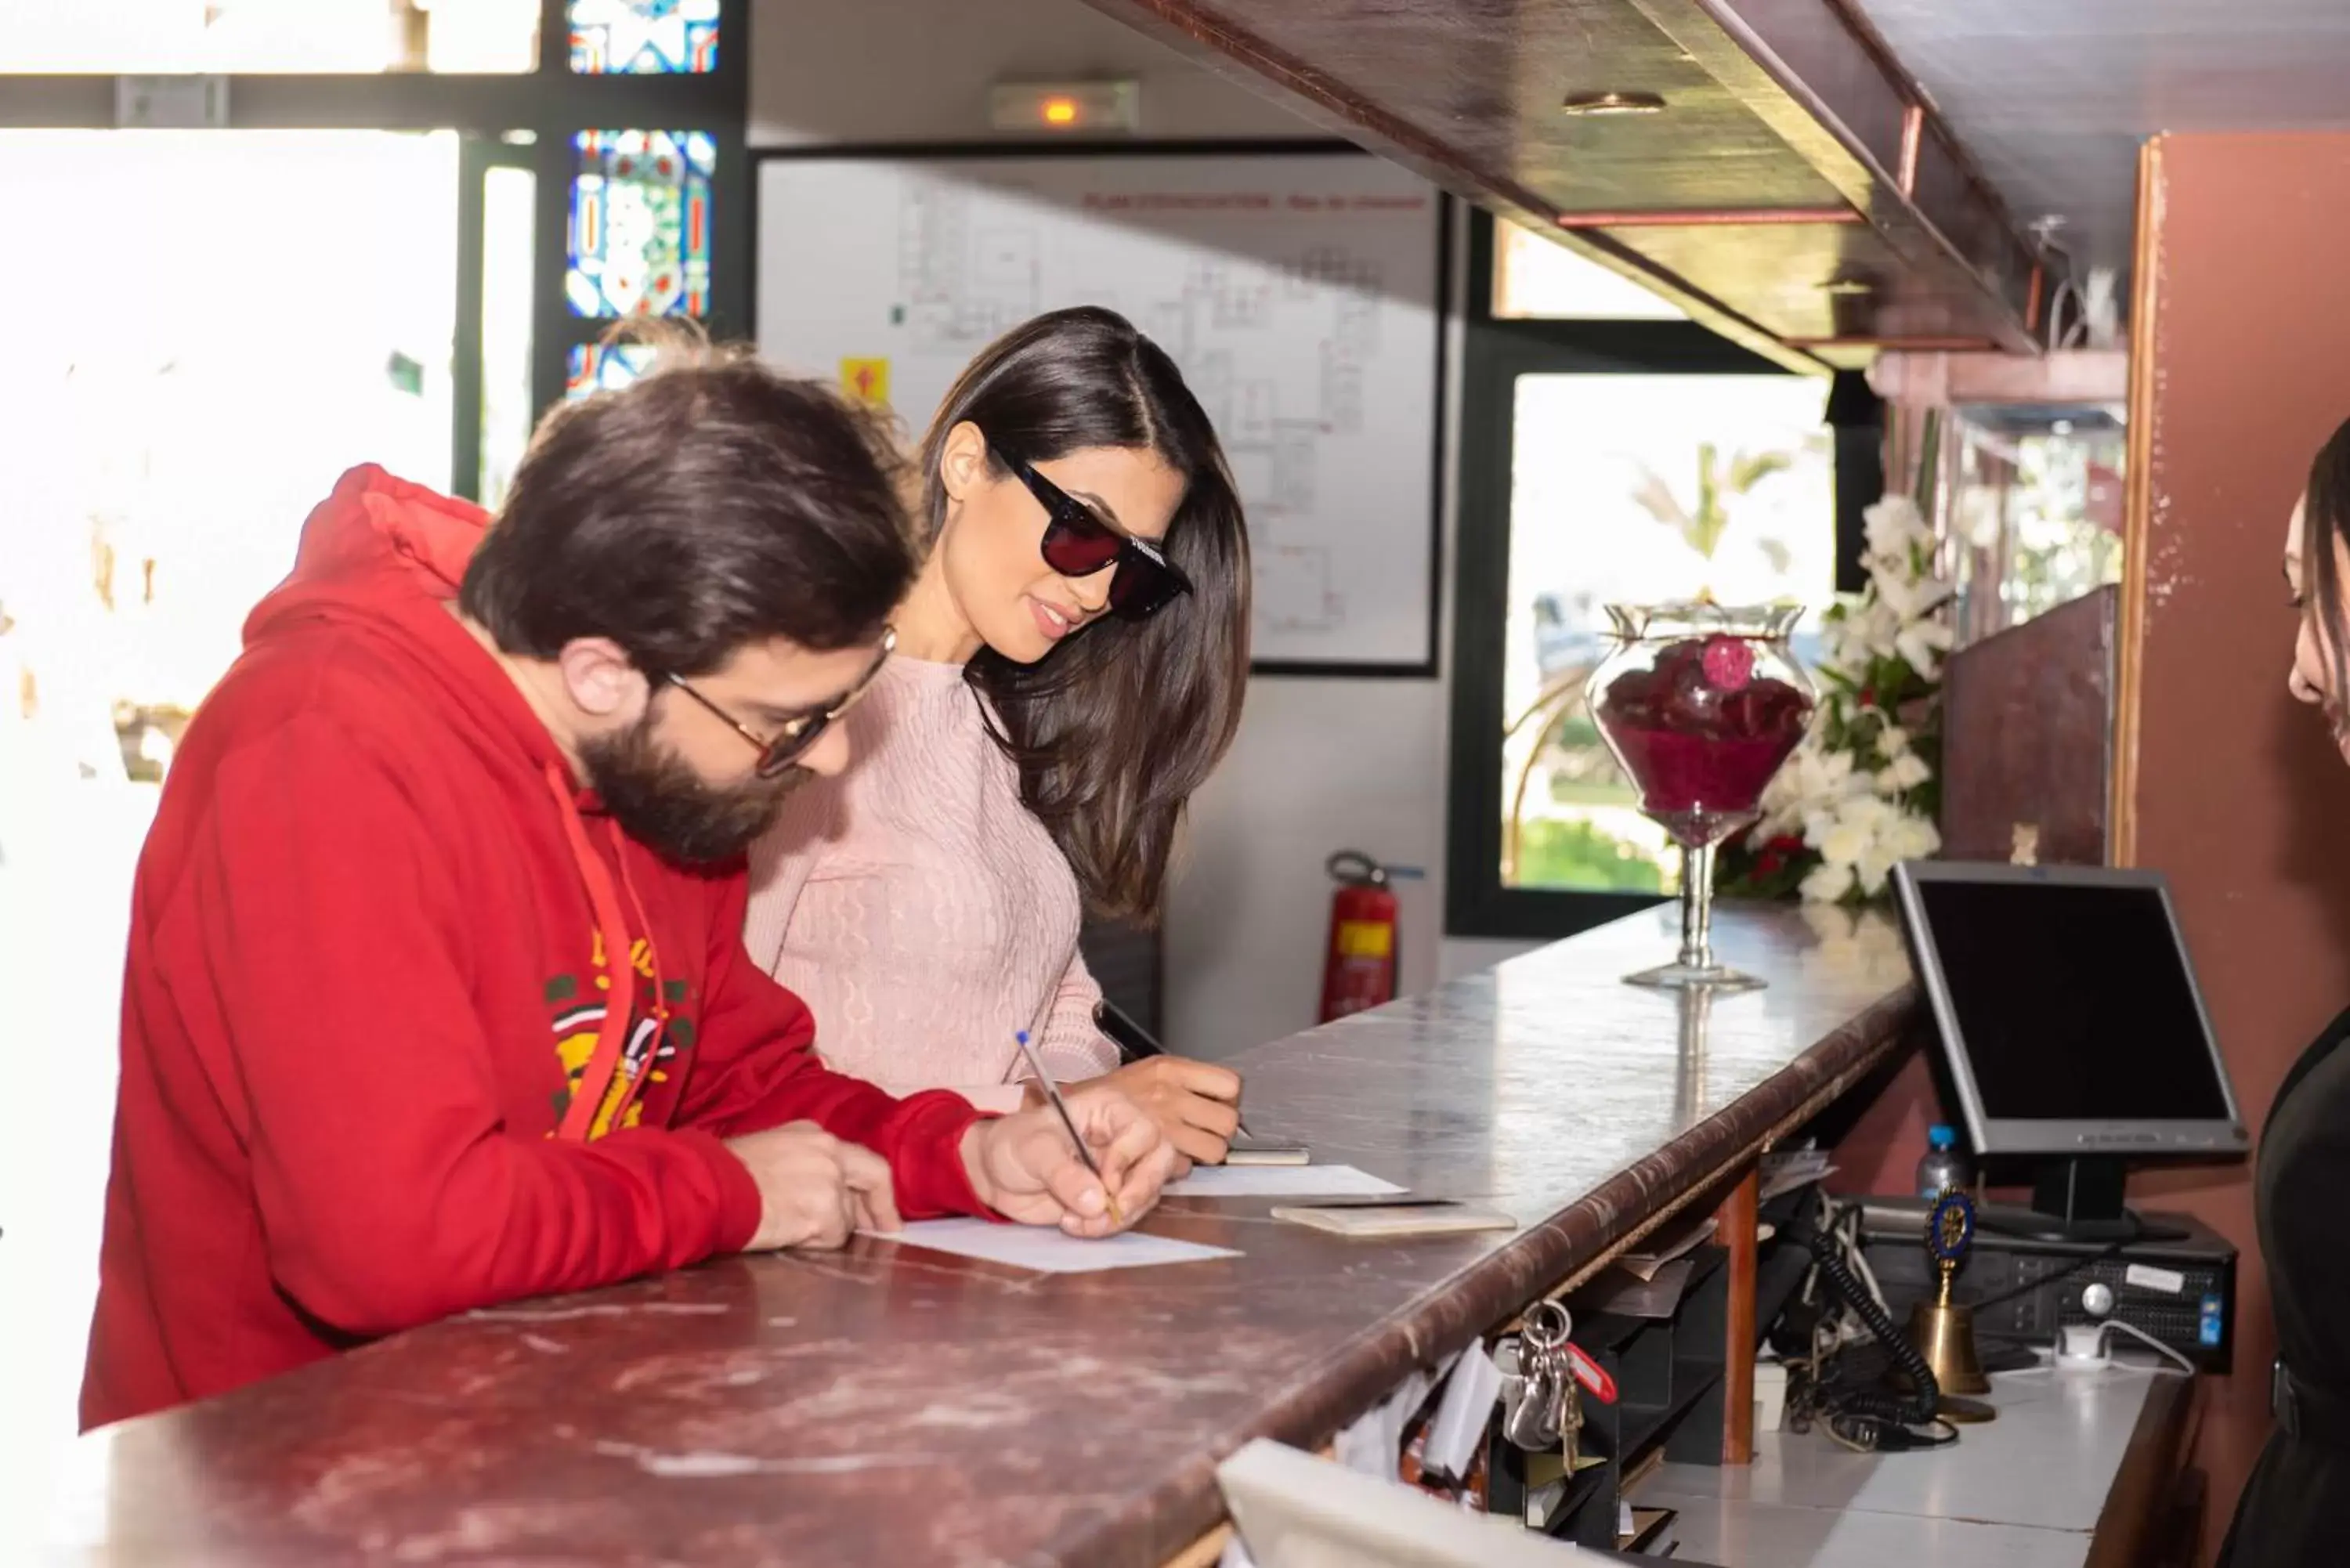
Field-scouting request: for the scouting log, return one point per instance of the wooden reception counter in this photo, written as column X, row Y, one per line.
column 888, row 1405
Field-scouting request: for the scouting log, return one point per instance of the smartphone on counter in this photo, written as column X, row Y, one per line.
column 1245, row 1150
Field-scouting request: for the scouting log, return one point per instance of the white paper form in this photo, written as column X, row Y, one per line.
column 1280, row 1181
column 1049, row 1251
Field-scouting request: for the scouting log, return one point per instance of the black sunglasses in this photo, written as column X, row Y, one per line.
column 1077, row 543
column 789, row 744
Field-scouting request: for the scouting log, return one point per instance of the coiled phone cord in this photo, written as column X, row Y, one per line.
column 1861, row 1417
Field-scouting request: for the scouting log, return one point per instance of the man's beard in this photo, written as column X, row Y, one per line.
column 664, row 806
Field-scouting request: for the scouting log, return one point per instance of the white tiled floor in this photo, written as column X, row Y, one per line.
column 66, row 849
column 1758, row 1535
column 2022, row 1491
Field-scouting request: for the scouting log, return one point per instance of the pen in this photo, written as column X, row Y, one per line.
column 1133, row 1042
column 1053, row 1093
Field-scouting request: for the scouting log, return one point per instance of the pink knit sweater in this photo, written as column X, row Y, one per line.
column 920, row 909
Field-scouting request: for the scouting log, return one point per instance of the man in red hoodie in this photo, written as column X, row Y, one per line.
column 436, row 995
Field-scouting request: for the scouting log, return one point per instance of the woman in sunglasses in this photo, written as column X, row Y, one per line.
column 1069, row 667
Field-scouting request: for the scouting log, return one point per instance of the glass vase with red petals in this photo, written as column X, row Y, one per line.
column 1701, row 703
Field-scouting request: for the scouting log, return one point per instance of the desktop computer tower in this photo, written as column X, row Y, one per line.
column 2182, row 1292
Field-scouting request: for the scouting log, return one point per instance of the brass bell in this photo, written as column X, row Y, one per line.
column 1944, row 1333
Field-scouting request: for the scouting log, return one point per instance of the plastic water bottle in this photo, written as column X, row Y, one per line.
column 1944, row 1168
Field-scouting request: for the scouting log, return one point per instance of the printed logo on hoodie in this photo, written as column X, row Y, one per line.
column 656, row 1032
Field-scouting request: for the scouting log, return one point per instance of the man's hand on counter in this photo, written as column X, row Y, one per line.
column 813, row 1190
column 1024, row 1168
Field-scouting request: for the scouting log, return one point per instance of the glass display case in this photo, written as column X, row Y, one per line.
column 2032, row 506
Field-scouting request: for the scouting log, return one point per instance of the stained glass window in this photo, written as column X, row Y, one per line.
column 639, row 241
column 606, row 368
column 643, row 37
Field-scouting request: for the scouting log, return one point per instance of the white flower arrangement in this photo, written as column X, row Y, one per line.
column 1859, row 796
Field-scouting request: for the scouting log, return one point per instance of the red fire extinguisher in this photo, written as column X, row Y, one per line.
column 1359, row 969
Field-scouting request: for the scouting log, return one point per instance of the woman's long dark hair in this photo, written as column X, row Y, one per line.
column 2324, row 522
column 1114, row 729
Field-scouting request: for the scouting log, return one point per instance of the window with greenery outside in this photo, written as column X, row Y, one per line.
column 1618, row 498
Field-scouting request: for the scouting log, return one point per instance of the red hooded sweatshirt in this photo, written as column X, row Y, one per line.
column 372, row 1071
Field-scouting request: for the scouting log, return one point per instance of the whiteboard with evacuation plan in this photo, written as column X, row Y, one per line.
column 1299, row 292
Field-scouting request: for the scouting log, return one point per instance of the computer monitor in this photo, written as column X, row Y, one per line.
column 2074, row 1029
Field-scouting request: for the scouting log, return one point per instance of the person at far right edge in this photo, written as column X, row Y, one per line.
column 2296, row 1510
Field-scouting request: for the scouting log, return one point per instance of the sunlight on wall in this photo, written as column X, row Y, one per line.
column 244, row 316
column 211, row 327
column 363, row 36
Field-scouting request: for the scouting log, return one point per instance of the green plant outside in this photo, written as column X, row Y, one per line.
column 1555, row 853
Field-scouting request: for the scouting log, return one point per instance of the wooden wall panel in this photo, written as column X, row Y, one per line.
column 2027, row 721
column 2242, row 341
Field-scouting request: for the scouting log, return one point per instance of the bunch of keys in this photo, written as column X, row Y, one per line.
column 1549, row 1413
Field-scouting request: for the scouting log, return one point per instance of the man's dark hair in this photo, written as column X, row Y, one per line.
column 712, row 504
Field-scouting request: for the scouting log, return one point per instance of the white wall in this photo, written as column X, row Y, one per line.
column 1320, row 765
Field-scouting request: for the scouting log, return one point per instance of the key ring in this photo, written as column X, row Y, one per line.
column 1546, row 1328
column 1546, row 1325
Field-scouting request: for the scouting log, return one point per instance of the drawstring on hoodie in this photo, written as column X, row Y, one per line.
column 619, row 971
column 385, row 557
column 652, row 957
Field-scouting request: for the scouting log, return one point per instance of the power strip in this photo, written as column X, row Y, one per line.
column 2081, row 1346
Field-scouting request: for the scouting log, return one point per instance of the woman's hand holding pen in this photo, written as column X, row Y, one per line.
column 1022, row 1165
column 1195, row 1104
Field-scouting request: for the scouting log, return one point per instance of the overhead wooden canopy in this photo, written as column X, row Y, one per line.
column 1769, row 166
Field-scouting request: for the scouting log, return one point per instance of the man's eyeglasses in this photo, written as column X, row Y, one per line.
column 790, row 744
column 1077, row 543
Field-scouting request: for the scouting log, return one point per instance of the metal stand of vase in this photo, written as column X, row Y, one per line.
column 1696, row 967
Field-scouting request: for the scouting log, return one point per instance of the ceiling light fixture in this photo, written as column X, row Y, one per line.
column 1613, row 103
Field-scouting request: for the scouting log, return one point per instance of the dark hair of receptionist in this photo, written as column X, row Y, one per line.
column 1114, row 729
column 712, row 504
column 2324, row 524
